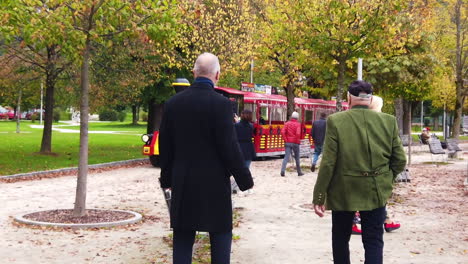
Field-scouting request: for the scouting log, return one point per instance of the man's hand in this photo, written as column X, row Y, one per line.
column 319, row 210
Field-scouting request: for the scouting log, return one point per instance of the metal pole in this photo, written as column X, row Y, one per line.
column 422, row 114
column 251, row 71
column 42, row 95
column 444, row 123
column 359, row 69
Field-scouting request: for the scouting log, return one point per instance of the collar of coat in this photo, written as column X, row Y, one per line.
column 203, row 80
column 360, row 107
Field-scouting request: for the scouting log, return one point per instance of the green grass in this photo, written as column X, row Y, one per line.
column 122, row 127
column 18, row 152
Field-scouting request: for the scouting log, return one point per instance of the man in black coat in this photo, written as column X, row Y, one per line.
column 198, row 153
column 319, row 128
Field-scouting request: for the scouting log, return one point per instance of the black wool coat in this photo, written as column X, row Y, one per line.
column 244, row 131
column 319, row 128
column 198, row 153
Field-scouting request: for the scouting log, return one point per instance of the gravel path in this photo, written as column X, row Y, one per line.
column 432, row 210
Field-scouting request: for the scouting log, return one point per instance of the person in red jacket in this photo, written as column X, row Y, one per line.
column 292, row 138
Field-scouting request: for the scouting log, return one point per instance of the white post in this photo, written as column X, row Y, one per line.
column 251, row 71
column 422, row 114
column 40, row 113
column 359, row 69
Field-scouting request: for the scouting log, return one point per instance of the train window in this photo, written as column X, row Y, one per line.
column 323, row 110
column 278, row 115
column 299, row 110
column 264, row 113
column 309, row 116
column 252, row 108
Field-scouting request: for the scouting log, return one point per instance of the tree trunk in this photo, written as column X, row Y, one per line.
column 341, row 84
column 18, row 111
column 436, row 123
column 134, row 115
column 155, row 112
column 290, row 98
column 51, row 78
column 407, row 125
column 399, row 114
column 458, row 113
column 80, row 200
column 406, row 117
column 460, row 65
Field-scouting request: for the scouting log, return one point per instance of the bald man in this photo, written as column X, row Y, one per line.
column 199, row 152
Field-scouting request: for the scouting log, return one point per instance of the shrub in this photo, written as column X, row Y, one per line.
column 64, row 115
column 427, row 121
column 34, row 117
column 108, row 115
column 122, row 115
column 144, row 117
column 56, row 115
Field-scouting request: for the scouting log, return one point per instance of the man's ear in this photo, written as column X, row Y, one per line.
column 217, row 76
column 349, row 99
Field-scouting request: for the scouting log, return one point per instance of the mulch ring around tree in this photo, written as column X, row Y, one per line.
column 92, row 219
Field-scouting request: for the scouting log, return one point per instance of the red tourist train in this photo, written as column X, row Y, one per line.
column 269, row 116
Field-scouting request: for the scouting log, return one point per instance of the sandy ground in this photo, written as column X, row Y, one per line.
column 432, row 209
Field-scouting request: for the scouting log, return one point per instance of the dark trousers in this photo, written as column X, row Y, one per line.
column 183, row 245
column 372, row 235
column 289, row 149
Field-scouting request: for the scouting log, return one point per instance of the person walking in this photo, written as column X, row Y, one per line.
column 291, row 132
column 197, row 167
column 362, row 156
column 318, row 135
column 389, row 224
column 244, row 131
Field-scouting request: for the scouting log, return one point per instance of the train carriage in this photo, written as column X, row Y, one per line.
column 269, row 116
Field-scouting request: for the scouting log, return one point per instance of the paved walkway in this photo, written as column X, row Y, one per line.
column 432, row 210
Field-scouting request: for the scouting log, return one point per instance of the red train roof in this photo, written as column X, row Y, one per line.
column 251, row 97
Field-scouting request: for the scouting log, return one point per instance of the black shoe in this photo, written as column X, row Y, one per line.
column 282, row 174
column 312, row 168
column 300, row 174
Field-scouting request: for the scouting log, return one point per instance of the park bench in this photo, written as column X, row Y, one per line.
column 404, row 176
column 465, row 125
column 435, row 147
column 414, row 144
column 404, row 140
column 452, row 147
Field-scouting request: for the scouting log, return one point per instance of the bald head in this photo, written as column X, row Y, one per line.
column 207, row 65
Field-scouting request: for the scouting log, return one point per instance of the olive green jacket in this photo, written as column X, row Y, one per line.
column 362, row 155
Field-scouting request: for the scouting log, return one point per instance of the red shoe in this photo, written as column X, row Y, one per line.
column 355, row 230
column 391, row 226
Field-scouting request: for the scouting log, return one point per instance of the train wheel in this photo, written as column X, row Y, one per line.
column 154, row 161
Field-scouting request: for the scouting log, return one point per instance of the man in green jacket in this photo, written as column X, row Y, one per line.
column 362, row 156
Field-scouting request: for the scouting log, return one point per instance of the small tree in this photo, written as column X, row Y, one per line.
column 342, row 31
column 97, row 21
column 33, row 32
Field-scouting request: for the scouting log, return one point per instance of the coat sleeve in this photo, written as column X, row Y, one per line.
column 228, row 147
column 398, row 157
column 166, row 155
column 298, row 131
column 314, row 130
column 327, row 166
column 283, row 131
